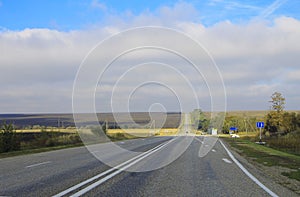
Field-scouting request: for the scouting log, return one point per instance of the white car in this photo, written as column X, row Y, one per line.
column 235, row 136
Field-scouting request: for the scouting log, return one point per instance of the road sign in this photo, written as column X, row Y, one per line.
column 260, row 124
column 233, row 128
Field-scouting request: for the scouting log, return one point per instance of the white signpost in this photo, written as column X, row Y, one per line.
column 214, row 131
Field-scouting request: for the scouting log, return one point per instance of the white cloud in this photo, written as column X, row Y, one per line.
column 293, row 77
column 38, row 66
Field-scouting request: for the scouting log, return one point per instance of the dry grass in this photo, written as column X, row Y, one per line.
column 145, row 132
column 63, row 130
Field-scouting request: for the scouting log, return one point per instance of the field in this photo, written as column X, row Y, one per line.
column 145, row 132
column 52, row 129
column 143, row 119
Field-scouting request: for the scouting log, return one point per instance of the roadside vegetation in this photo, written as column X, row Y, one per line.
column 41, row 138
column 266, row 155
column 281, row 135
column 26, row 140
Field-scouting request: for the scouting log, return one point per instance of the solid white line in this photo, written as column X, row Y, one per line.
column 103, row 173
column 38, row 164
column 253, row 178
column 199, row 140
column 92, row 186
column 226, row 160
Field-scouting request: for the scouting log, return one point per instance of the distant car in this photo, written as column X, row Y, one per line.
column 235, row 136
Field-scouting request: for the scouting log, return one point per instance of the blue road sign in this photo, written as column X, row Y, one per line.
column 260, row 124
column 233, row 128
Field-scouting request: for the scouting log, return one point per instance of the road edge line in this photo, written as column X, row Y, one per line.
column 253, row 178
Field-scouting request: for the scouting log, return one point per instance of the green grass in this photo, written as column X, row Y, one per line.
column 292, row 175
column 37, row 150
column 113, row 137
column 267, row 156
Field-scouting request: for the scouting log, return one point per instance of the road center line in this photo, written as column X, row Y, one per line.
column 110, row 170
column 199, row 140
column 92, row 186
column 226, row 160
column 38, row 164
column 253, row 178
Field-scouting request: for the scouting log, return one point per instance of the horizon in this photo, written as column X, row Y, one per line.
column 170, row 112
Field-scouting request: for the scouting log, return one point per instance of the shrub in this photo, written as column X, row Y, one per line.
column 9, row 141
column 289, row 142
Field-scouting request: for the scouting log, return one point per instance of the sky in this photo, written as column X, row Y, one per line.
column 252, row 47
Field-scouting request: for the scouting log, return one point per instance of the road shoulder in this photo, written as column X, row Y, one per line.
column 270, row 176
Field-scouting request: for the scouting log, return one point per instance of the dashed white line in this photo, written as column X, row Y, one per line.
column 226, row 160
column 213, row 150
column 253, row 178
column 199, row 140
column 38, row 164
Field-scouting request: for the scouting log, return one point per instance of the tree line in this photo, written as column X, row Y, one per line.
column 277, row 121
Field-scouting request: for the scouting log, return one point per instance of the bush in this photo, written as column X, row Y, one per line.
column 289, row 142
column 9, row 141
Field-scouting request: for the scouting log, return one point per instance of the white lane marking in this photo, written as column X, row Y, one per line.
column 199, row 140
column 226, row 160
column 105, row 172
column 92, row 186
column 213, row 150
column 38, row 164
column 253, row 178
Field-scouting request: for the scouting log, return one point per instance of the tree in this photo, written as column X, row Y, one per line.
column 289, row 122
column 199, row 120
column 277, row 102
column 278, row 121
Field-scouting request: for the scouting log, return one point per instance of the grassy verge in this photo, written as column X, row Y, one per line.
column 267, row 156
column 121, row 136
column 31, row 150
column 37, row 150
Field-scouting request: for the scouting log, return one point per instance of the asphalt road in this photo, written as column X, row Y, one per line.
column 156, row 166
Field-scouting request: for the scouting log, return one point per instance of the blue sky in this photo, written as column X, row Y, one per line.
column 67, row 15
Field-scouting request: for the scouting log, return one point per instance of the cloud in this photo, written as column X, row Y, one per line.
column 38, row 66
column 98, row 5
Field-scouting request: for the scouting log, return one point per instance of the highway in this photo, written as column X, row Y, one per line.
column 77, row 172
